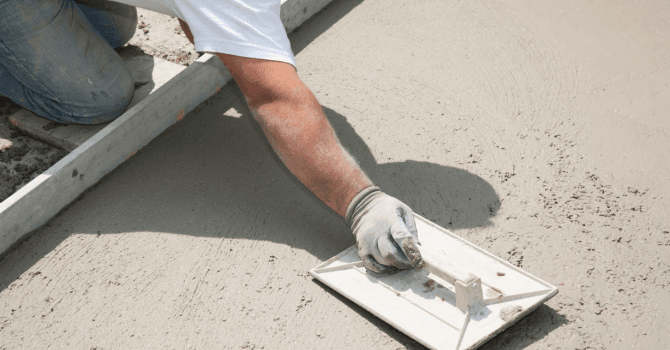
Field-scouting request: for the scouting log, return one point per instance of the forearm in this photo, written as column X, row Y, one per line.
column 297, row 129
column 302, row 137
column 304, row 140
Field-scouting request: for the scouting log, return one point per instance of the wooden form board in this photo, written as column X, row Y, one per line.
column 41, row 199
column 424, row 306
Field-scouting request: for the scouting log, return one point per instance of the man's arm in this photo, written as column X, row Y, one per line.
column 299, row 132
column 297, row 129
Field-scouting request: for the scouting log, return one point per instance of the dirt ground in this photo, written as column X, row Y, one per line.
column 538, row 131
column 22, row 157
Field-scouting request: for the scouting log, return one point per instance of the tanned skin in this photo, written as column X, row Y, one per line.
column 297, row 129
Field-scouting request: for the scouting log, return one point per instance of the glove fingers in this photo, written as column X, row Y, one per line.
column 371, row 264
column 408, row 217
column 407, row 243
column 391, row 252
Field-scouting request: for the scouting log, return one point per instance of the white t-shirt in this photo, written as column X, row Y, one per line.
column 247, row 28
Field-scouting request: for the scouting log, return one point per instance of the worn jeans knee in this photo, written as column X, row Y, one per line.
column 53, row 62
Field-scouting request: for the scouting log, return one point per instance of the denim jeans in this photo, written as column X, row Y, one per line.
column 57, row 58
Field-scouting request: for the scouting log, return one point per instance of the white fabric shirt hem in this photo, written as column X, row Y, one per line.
column 214, row 45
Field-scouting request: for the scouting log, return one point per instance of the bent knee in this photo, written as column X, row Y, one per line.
column 113, row 102
column 104, row 105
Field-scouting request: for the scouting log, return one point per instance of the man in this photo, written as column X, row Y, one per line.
column 58, row 64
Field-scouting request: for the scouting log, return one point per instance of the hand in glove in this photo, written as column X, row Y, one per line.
column 385, row 231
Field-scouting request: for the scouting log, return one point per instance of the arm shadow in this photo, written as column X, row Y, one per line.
column 451, row 197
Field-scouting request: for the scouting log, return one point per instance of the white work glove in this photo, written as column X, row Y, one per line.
column 385, row 232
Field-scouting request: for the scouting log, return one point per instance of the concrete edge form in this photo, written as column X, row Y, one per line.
column 45, row 196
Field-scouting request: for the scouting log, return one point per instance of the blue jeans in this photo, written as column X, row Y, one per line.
column 57, row 58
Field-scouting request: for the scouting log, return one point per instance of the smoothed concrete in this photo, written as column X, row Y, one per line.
column 480, row 115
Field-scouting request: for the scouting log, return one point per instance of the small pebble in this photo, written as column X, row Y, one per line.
column 5, row 144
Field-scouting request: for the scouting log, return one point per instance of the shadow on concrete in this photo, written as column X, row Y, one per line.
column 451, row 197
column 218, row 167
column 141, row 66
column 215, row 175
